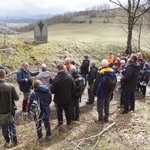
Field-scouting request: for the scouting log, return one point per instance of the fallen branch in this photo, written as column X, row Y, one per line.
column 97, row 135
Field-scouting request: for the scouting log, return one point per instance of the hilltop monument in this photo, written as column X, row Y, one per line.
column 40, row 32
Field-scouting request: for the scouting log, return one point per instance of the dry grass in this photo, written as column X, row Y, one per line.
column 130, row 132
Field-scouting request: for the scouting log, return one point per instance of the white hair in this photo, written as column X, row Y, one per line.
column 67, row 60
column 72, row 69
column 122, row 61
column 43, row 66
column 104, row 63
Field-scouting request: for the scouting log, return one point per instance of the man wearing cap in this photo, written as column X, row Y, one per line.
column 85, row 68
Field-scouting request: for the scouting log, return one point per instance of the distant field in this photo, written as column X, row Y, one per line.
column 71, row 40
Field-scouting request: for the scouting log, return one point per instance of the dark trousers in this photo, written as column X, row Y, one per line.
column 66, row 108
column 74, row 108
column 9, row 132
column 46, row 125
column 129, row 98
column 103, row 108
column 143, row 89
column 91, row 94
column 122, row 97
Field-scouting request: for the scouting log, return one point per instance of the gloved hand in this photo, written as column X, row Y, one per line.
column 30, row 81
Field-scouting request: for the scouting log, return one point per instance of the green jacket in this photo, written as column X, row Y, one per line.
column 7, row 94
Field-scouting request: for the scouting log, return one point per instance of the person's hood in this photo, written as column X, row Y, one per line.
column 63, row 76
column 42, row 88
column 134, row 64
column 106, row 69
column 45, row 74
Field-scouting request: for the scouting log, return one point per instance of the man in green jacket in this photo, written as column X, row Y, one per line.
column 8, row 96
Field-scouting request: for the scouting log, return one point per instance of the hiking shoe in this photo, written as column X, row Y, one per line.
column 99, row 122
column 58, row 126
column 89, row 102
column 48, row 137
column 69, row 127
column 41, row 139
column 124, row 112
column 7, row 145
column 14, row 144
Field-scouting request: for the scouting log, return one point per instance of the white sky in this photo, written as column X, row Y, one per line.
column 35, row 7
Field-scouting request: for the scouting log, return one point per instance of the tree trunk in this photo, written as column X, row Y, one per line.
column 129, row 37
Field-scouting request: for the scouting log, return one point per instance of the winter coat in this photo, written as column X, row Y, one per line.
column 22, row 75
column 99, row 83
column 92, row 74
column 144, row 75
column 68, row 66
column 130, row 78
column 45, row 77
column 5, row 97
column 85, row 66
column 75, row 76
column 62, row 87
column 43, row 95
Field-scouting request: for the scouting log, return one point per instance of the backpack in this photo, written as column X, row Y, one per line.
column 79, row 82
column 110, row 83
column 35, row 109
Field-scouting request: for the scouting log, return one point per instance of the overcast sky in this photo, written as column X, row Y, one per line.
column 35, row 7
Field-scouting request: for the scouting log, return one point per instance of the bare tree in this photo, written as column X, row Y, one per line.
column 135, row 9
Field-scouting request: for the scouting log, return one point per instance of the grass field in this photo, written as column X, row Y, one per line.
column 70, row 40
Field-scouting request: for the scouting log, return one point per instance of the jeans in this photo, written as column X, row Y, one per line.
column 46, row 125
column 103, row 105
column 74, row 108
column 66, row 108
column 9, row 132
column 129, row 98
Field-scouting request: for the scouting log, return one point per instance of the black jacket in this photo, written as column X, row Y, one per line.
column 62, row 87
column 6, row 97
column 85, row 66
column 92, row 74
column 130, row 78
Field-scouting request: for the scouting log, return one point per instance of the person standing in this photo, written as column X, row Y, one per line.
column 103, row 97
column 84, row 68
column 76, row 94
column 45, row 76
column 43, row 96
column 25, row 82
column 62, row 88
column 8, row 96
column 91, row 77
column 130, row 80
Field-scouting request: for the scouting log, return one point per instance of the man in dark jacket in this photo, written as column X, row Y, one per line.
column 85, row 68
column 25, row 82
column 91, row 77
column 8, row 95
column 74, row 106
column 130, row 80
column 62, row 87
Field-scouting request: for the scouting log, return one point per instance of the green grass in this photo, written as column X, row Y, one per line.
column 68, row 40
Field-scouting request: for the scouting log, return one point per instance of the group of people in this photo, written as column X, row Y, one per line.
column 68, row 86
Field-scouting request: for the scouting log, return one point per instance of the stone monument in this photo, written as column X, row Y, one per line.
column 40, row 32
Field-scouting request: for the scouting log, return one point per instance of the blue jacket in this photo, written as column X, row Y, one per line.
column 43, row 95
column 22, row 75
column 99, row 82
